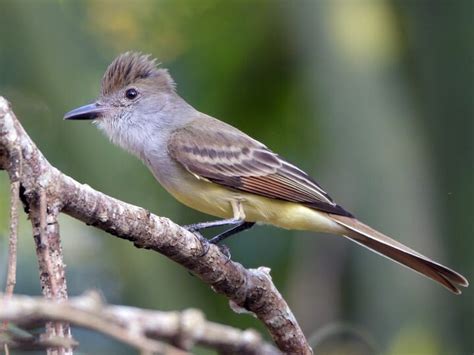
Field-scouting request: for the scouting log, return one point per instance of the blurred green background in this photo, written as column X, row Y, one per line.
column 372, row 98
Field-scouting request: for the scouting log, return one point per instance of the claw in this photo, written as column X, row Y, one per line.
column 204, row 242
column 204, row 246
column 195, row 229
column 225, row 250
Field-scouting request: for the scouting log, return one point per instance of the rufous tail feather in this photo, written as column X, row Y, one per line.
column 381, row 244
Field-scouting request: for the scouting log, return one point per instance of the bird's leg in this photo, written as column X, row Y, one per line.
column 234, row 230
column 239, row 217
column 204, row 225
column 221, row 236
column 197, row 227
column 238, row 220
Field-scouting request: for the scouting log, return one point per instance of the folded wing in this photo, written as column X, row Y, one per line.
column 230, row 158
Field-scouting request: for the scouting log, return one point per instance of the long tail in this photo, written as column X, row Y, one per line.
column 380, row 243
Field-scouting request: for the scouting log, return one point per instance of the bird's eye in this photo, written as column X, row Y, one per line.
column 131, row 94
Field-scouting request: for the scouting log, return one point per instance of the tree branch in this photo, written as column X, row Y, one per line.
column 15, row 173
column 13, row 239
column 50, row 260
column 136, row 327
column 250, row 289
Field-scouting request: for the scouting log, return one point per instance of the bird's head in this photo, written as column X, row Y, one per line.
column 133, row 92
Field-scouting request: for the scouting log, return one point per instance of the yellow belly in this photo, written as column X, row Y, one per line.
column 216, row 200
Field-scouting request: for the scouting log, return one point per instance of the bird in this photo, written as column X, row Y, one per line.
column 217, row 169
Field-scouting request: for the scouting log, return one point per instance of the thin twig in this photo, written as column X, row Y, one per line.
column 13, row 240
column 15, row 173
column 44, row 248
column 12, row 248
column 50, row 261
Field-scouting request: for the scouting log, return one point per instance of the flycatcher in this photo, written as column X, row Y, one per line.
column 215, row 168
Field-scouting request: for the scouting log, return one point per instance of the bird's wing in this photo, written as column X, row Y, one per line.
column 224, row 155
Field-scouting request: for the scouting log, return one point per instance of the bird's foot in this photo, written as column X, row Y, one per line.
column 203, row 241
column 224, row 250
column 206, row 243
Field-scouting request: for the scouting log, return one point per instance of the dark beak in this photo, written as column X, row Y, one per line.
column 87, row 112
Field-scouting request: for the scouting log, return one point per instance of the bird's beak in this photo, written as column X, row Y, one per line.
column 87, row 112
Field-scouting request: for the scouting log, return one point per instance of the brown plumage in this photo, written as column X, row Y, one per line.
column 239, row 162
column 382, row 244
